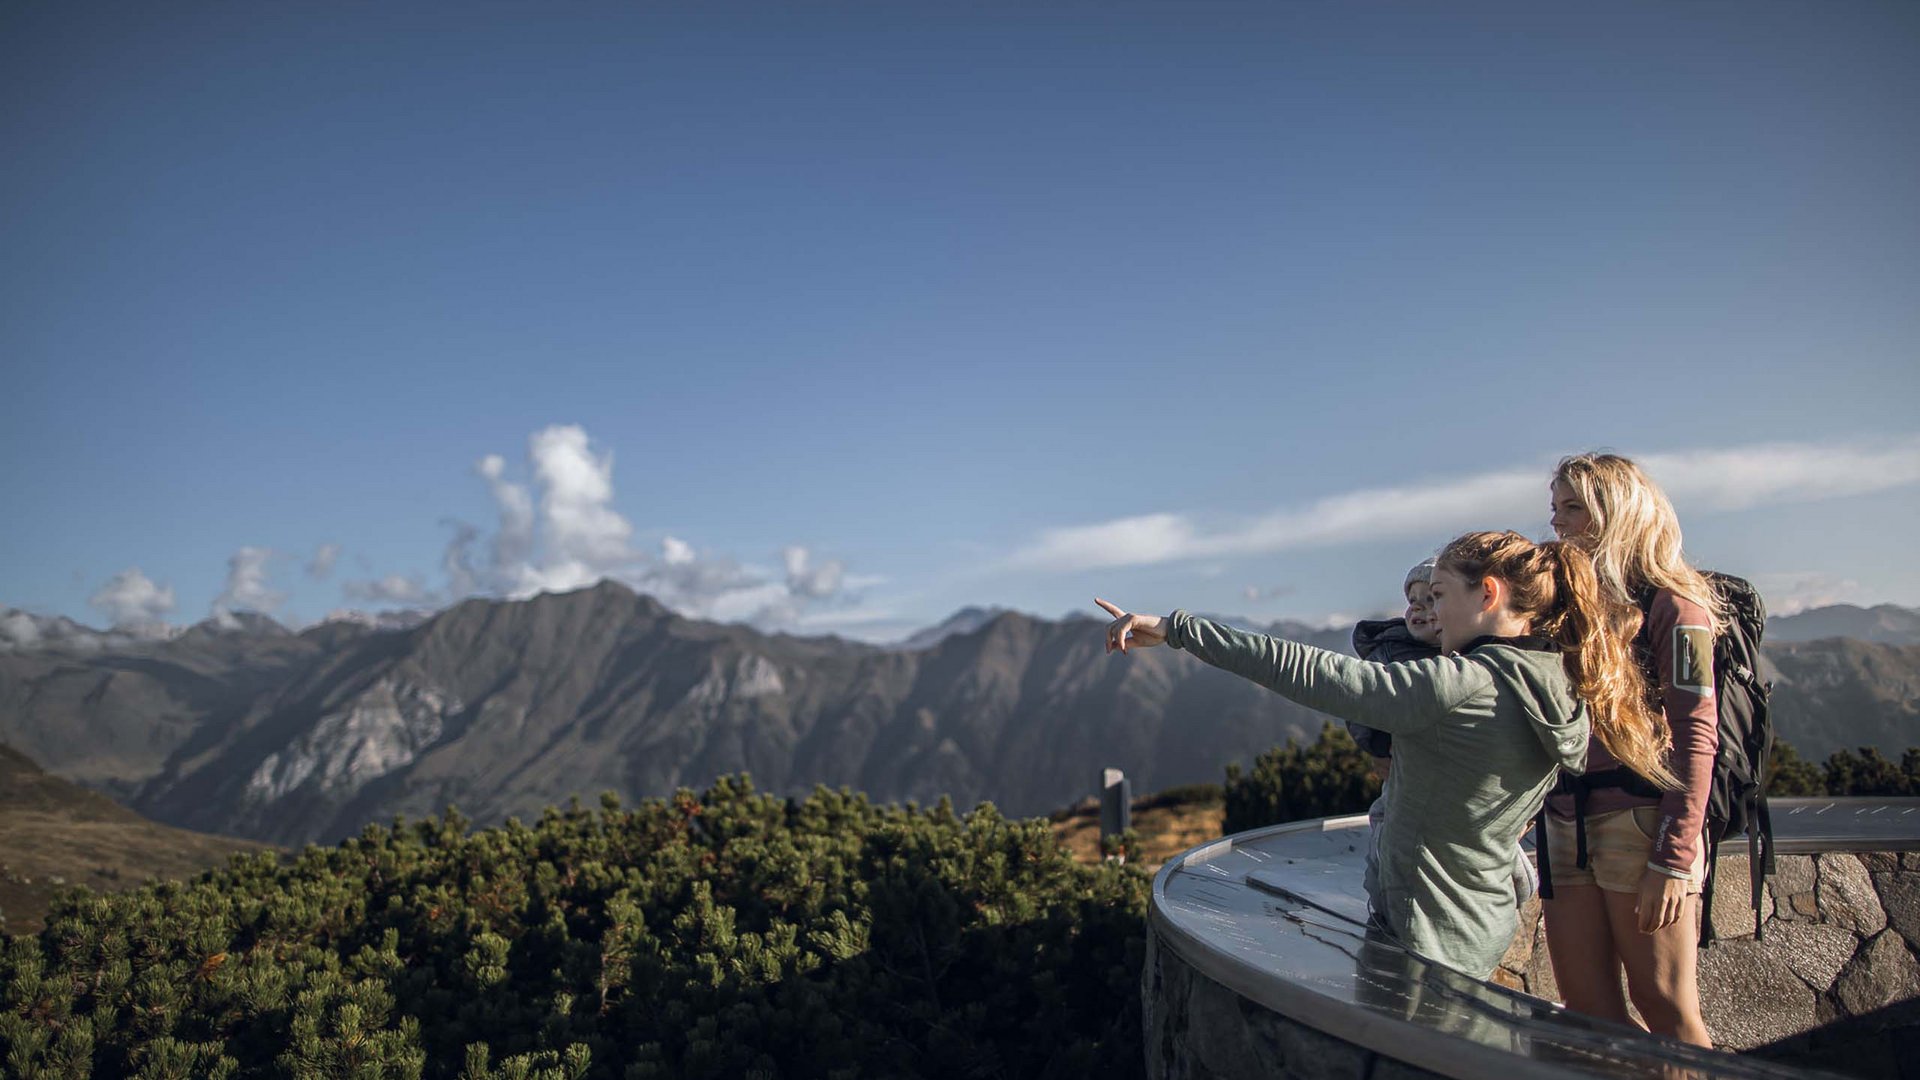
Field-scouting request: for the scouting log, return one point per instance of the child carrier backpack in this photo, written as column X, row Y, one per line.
column 1737, row 796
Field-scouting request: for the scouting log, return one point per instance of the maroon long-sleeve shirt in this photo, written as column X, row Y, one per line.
column 1682, row 638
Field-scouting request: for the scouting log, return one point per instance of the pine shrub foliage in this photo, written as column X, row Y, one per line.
column 1328, row 777
column 726, row 934
column 1332, row 776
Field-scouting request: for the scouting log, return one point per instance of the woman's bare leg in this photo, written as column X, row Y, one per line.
column 1662, row 968
column 1580, row 937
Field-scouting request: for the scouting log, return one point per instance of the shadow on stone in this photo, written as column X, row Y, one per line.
column 1881, row 1045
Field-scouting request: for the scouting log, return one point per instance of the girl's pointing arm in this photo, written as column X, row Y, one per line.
column 1397, row 698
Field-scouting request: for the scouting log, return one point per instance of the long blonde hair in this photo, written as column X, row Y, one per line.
column 1635, row 542
column 1554, row 587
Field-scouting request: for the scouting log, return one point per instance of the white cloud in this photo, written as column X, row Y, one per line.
column 131, row 600
column 675, row 552
column 1748, row 476
column 1341, row 620
column 18, row 631
column 247, row 587
column 561, row 532
column 457, row 561
column 851, row 617
column 392, row 589
column 1132, row 541
column 875, row 625
column 322, row 563
column 807, row 580
column 576, row 490
column 767, row 604
column 513, row 542
column 1792, row 592
column 1723, row 479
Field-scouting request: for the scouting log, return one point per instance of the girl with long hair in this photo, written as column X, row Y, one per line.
column 1627, row 858
column 1530, row 657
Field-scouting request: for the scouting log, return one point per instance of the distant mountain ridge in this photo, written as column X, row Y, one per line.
column 23, row 631
column 504, row 707
column 1884, row 624
column 964, row 621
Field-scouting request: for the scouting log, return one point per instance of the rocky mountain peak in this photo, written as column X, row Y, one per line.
column 965, row 621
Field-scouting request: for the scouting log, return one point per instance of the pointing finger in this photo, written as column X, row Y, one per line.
column 1111, row 610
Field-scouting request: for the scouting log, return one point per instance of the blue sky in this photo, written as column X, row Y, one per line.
column 839, row 320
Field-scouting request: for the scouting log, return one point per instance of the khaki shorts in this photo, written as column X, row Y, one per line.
column 1619, row 843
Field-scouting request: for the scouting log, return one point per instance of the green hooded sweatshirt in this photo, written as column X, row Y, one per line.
column 1476, row 738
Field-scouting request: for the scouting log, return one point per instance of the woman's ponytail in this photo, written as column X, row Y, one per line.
column 1555, row 587
column 1594, row 634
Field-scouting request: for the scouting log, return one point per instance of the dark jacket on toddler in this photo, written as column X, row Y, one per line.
column 1384, row 641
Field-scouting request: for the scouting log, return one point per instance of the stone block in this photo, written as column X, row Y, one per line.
column 1793, row 875
column 1815, row 952
column 1845, row 894
column 1792, row 887
column 1217, row 1035
column 1733, row 914
column 1900, row 897
column 1882, row 973
column 1750, row 996
column 1286, row 1048
column 1880, row 862
column 1389, row 1069
column 1539, row 974
column 1520, row 952
column 1853, row 1054
column 1163, row 999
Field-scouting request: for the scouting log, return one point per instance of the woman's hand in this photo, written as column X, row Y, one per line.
column 1142, row 630
column 1662, row 898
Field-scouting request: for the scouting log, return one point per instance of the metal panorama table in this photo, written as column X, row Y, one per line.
column 1277, row 915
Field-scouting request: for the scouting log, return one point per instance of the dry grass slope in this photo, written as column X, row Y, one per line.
column 55, row 834
column 1167, row 823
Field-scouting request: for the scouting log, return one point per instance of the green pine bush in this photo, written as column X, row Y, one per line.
column 1332, row 776
column 726, row 934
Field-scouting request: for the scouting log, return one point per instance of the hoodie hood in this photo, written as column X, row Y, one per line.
column 1388, row 641
column 1539, row 683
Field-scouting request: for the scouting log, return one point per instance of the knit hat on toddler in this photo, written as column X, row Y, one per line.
column 1422, row 573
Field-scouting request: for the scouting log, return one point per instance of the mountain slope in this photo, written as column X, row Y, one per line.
column 1838, row 693
column 108, row 710
column 55, row 834
column 505, row 707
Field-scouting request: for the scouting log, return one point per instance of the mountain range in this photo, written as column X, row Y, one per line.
column 242, row 727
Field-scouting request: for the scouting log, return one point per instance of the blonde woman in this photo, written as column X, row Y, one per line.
column 1627, row 856
column 1531, row 656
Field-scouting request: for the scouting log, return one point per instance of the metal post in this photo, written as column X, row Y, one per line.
column 1116, row 803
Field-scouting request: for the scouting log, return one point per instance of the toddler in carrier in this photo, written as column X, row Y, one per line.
column 1413, row 636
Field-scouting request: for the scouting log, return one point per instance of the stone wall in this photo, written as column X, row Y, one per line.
column 1197, row 1029
column 1842, row 932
